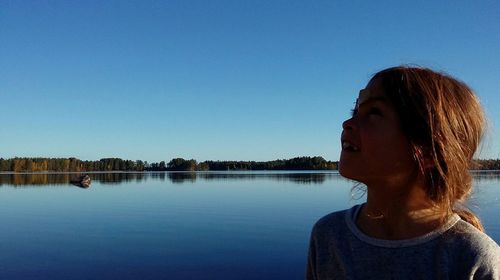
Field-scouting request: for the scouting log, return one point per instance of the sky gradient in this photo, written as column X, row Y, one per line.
column 221, row 80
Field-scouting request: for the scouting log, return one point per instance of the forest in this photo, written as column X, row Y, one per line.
column 24, row 164
column 177, row 164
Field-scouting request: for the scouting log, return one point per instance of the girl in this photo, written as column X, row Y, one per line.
column 410, row 140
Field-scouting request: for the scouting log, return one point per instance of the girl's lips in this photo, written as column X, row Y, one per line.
column 346, row 145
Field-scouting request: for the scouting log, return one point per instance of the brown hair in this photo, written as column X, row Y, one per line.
column 444, row 121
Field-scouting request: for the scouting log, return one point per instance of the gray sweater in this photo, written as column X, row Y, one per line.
column 457, row 250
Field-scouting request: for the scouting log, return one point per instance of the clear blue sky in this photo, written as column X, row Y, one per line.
column 227, row 80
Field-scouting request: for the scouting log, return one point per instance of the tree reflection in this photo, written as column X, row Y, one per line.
column 181, row 177
column 115, row 178
column 493, row 176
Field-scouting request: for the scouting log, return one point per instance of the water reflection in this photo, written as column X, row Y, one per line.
column 490, row 175
column 181, row 177
column 300, row 178
column 41, row 179
column 115, row 178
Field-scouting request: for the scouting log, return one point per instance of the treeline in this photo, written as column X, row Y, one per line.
column 180, row 164
column 488, row 164
column 70, row 165
column 298, row 163
column 177, row 164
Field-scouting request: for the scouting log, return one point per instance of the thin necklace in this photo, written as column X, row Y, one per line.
column 374, row 216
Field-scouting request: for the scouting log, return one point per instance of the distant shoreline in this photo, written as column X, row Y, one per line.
column 74, row 165
column 176, row 164
column 198, row 171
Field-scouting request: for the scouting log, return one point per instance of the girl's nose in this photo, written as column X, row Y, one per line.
column 348, row 124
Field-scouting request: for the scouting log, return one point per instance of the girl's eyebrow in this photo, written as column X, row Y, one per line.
column 367, row 96
column 371, row 100
column 366, row 102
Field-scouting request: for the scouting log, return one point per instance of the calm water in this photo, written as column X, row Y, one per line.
column 238, row 225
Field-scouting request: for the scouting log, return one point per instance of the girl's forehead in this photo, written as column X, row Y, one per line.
column 363, row 96
column 370, row 94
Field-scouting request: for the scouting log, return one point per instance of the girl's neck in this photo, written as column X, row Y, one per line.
column 399, row 215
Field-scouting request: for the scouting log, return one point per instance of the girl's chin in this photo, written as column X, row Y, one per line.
column 351, row 172
column 345, row 172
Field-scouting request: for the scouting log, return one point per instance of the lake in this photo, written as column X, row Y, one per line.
column 203, row 225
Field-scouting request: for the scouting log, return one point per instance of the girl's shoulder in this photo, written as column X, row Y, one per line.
column 468, row 238
column 475, row 248
column 335, row 221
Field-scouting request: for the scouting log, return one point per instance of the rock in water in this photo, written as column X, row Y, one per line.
column 82, row 181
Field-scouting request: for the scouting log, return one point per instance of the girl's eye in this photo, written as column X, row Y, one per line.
column 354, row 112
column 375, row 111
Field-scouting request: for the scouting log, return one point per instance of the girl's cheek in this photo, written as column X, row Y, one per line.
column 369, row 120
column 371, row 126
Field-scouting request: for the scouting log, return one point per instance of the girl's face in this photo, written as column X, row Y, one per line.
column 374, row 149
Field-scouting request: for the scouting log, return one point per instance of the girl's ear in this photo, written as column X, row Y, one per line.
column 428, row 159
column 424, row 158
column 428, row 162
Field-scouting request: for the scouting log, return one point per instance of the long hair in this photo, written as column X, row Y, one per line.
column 444, row 121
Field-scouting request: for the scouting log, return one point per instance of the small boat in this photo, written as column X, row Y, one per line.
column 82, row 181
